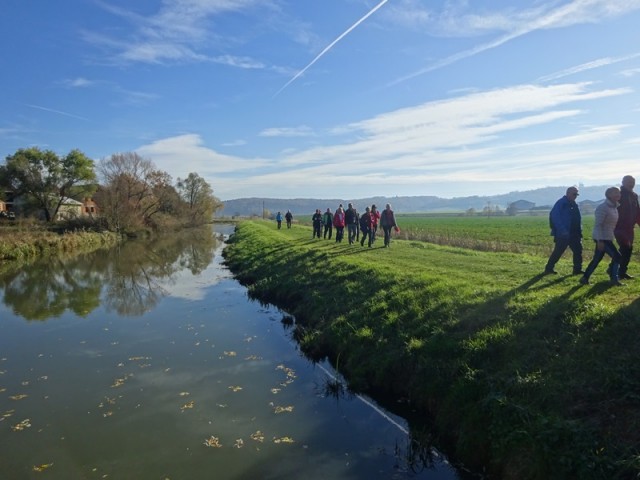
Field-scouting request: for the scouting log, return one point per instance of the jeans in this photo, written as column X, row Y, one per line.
column 366, row 233
column 339, row 234
column 352, row 232
column 609, row 249
column 328, row 228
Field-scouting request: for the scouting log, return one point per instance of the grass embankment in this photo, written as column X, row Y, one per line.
column 527, row 375
column 25, row 243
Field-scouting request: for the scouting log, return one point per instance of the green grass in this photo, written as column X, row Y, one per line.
column 530, row 376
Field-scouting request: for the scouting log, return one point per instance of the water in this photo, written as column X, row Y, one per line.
column 150, row 361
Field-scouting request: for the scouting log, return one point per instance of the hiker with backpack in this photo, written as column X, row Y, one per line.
column 388, row 222
column 316, row 219
column 327, row 220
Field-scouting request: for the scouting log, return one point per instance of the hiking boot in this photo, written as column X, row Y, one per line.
column 626, row 276
column 617, row 283
column 584, row 280
column 578, row 272
column 550, row 272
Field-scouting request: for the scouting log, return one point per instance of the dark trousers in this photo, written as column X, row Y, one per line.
column 387, row 235
column 279, row 224
column 317, row 230
column 339, row 234
column 366, row 233
column 288, row 223
column 352, row 232
column 373, row 233
column 575, row 244
column 611, row 250
column 625, row 247
column 328, row 228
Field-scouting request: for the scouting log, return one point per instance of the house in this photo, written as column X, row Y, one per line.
column 69, row 209
column 89, row 207
column 519, row 206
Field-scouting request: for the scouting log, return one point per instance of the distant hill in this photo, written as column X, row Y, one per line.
column 541, row 197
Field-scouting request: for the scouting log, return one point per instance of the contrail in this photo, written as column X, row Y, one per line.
column 371, row 12
column 57, row 111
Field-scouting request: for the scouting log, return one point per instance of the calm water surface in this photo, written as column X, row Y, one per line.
column 149, row 361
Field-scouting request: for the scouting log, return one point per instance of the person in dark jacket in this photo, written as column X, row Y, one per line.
column 387, row 222
column 351, row 220
column 289, row 218
column 628, row 217
column 366, row 224
column 316, row 219
column 566, row 227
column 327, row 219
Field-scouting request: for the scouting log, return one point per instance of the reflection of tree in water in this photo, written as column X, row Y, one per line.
column 130, row 275
column 138, row 267
column 52, row 286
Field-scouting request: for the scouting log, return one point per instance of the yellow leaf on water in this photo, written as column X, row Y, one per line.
column 213, row 442
column 21, row 426
column 187, row 405
column 258, row 436
column 279, row 409
column 18, row 397
column 184, row 394
column 42, row 468
column 239, row 443
column 283, row 440
column 235, row 389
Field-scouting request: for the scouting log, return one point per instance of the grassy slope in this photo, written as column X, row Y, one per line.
column 534, row 376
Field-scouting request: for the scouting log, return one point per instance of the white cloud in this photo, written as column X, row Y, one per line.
column 461, row 139
column 183, row 154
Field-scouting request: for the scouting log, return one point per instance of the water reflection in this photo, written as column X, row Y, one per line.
column 132, row 277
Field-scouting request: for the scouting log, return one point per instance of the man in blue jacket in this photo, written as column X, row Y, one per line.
column 566, row 228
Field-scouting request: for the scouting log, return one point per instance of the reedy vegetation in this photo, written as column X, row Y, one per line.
column 527, row 375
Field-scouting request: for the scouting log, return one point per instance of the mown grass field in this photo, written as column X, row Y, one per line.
column 528, row 376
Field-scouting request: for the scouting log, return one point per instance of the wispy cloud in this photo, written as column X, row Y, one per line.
column 301, row 131
column 58, row 112
column 179, row 31
column 331, row 45
column 601, row 62
column 461, row 139
column 542, row 17
column 79, row 82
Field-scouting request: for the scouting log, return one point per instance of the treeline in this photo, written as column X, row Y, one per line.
column 131, row 193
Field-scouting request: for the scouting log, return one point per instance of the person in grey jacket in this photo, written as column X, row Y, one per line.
column 606, row 219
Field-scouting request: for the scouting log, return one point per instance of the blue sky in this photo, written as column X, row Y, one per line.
column 331, row 98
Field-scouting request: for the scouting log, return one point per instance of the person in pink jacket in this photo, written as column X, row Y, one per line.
column 375, row 219
column 339, row 223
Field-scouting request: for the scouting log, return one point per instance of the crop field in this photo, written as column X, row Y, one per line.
column 530, row 234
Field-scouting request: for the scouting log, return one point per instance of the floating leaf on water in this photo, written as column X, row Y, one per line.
column 18, row 397
column 25, row 383
column 279, row 409
column 3, row 390
column 2, row 372
column 258, row 436
column 135, row 359
column 253, row 357
column 44, row 377
column 235, row 388
column 283, row 440
column 187, row 405
column 213, row 442
column 184, row 394
column 221, row 405
column 21, row 426
column 42, row 468
column 275, row 390
column 8, row 413
column 107, row 414
column 239, row 443
column 230, row 354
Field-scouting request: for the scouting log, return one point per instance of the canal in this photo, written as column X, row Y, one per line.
column 149, row 361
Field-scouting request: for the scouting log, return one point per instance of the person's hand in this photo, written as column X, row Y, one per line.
column 600, row 245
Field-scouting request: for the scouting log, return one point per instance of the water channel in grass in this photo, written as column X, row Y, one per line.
column 149, row 361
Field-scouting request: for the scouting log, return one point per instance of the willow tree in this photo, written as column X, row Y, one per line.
column 46, row 178
column 200, row 202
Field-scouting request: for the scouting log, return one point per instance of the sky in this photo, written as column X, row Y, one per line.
column 331, row 98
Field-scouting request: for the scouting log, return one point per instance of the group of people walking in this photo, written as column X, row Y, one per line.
column 360, row 227
column 615, row 219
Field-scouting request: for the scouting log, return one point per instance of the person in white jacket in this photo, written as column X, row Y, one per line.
column 606, row 219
